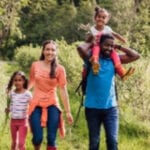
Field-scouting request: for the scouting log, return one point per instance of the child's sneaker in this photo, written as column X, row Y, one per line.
column 95, row 67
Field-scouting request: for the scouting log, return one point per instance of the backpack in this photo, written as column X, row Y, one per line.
column 81, row 87
column 83, row 83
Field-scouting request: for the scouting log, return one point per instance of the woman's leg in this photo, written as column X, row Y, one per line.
column 35, row 124
column 52, row 125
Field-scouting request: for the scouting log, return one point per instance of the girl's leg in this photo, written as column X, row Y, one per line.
column 22, row 134
column 117, row 63
column 36, row 128
column 95, row 54
column 95, row 58
column 120, row 70
column 14, row 129
column 52, row 125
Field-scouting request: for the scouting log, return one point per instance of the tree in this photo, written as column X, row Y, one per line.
column 8, row 24
column 131, row 19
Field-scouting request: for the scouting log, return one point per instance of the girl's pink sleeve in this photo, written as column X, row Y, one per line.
column 31, row 76
column 62, row 81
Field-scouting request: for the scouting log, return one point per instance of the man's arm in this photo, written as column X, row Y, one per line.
column 129, row 54
column 84, row 50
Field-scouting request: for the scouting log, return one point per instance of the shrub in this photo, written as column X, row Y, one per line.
column 25, row 55
column 67, row 56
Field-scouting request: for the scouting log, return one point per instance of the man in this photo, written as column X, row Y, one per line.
column 100, row 101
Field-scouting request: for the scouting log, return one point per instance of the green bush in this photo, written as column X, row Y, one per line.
column 25, row 55
column 67, row 56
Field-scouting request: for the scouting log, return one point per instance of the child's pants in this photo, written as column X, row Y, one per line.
column 18, row 133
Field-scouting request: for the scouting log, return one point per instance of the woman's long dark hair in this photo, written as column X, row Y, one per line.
column 10, row 83
column 53, row 63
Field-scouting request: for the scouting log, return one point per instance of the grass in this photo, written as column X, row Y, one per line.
column 134, row 134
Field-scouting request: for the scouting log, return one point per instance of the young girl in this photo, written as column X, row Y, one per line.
column 101, row 19
column 19, row 99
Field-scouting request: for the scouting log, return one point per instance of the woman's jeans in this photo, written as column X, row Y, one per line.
column 109, row 118
column 52, row 125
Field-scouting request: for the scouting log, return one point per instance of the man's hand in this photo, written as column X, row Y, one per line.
column 116, row 46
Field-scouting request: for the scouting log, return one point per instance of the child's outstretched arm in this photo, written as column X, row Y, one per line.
column 119, row 37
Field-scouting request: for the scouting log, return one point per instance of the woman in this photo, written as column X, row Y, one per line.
column 45, row 76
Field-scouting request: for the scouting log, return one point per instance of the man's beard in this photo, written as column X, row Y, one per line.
column 106, row 53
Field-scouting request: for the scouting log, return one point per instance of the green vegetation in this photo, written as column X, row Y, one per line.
column 25, row 24
column 133, row 101
column 33, row 21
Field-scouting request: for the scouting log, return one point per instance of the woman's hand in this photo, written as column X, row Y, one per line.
column 69, row 118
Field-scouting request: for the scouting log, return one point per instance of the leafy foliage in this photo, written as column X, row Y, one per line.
column 133, row 104
column 25, row 55
column 67, row 56
column 31, row 21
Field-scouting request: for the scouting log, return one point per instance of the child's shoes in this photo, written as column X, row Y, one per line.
column 95, row 67
column 129, row 72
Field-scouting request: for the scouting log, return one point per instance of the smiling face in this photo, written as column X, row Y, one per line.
column 101, row 18
column 18, row 82
column 49, row 52
column 107, row 47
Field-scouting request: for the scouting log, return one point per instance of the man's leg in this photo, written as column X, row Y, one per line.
column 93, row 123
column 111, row 128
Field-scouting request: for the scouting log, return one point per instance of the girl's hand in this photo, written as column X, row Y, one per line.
column 69, row 118
column 7, row 110
column 124, row 41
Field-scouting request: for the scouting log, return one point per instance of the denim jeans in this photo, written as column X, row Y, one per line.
column 109, row 118
column 52, row 125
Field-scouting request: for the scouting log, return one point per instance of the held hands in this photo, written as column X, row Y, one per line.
column 69, row 118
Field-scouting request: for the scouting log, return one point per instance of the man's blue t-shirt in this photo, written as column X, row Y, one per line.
column 100, row 90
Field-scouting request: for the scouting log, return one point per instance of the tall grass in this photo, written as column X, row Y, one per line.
column 134, row 133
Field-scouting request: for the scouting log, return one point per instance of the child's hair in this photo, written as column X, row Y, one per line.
column 99, row 10
column 54, row 62
column 10, row 83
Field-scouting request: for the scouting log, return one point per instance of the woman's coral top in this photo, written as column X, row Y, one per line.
column 45, row 91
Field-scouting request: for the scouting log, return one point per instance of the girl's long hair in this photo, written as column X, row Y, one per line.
column 10, row 83
column 53, row 64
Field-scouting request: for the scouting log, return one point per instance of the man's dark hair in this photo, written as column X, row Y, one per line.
column 106, row 36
